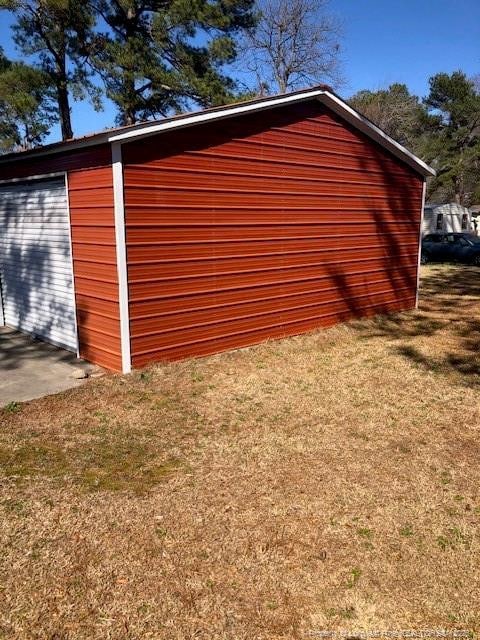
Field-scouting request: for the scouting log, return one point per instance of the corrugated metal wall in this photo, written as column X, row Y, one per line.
column 36, row 276
column 264, row 226
column 95, row 265
column 93, row 245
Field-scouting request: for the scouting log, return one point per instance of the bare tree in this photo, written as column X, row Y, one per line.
column 295, row 44
column 395, row 110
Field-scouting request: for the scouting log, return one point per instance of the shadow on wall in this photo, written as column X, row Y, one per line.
column 449, row 302
column 397, row 225
column 35, row 268
column 443, row 336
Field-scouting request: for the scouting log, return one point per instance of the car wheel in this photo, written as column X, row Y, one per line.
column 476, row 261
column 424, row 259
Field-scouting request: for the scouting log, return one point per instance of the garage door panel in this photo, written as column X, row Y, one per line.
column 35, row 261
column 59, row 333
column 28, row 290
column 59, row 271
column 55, row 199
column 35, row 231
column 39, row 238
column 40, row 306
column 33, row 228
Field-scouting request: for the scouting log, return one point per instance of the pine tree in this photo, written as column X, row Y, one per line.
column 454, row 146
column 159, row 56
column 56, row 34
column 27, row 106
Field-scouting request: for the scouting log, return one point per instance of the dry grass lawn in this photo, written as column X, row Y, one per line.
column 324, row 482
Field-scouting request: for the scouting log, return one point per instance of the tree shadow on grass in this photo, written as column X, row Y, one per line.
column 443, row 335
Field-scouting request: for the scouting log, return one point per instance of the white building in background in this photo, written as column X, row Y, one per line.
column 449, row 217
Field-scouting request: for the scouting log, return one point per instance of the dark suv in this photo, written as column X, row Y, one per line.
column 451, row 247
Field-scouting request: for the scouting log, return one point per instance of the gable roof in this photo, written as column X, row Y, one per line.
column 322, row 93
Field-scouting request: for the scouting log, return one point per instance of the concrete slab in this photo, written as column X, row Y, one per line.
column 32, row 369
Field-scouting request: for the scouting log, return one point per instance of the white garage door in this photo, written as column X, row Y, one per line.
column 35, row 261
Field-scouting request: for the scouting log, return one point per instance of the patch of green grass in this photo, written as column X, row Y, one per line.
column 459, row 537
column 121, row 463
column 452, row 539
column 406, row 531
column 354, row 433
column 12, row 407
column 445, row 477
column 364, row 532
column 443, row 542
column 346, row 613
column 12, row 505
column 355, row 575
column 33, row 459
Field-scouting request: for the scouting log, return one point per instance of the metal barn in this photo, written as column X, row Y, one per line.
column 209, row 231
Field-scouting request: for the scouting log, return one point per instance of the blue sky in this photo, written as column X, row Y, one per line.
column 407, row 41
column 384, row 41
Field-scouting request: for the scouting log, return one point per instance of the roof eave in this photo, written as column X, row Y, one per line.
column 57, row 147
column 346, row 112
column 144, row 130
column 329, row 99
column 149, row 129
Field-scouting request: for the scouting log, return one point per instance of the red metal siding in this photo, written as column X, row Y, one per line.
column 95, row 156
column 95, row 265
column 93, row 245
column 264, row 226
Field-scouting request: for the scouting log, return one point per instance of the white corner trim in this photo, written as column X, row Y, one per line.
column 205, row 116
column 121, row 251
column 67, row 197
column 363, row 124
column 424, row 191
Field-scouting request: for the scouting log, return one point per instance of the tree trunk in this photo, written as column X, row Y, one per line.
column 129, row 116
column 62, row 94
column 64, row 109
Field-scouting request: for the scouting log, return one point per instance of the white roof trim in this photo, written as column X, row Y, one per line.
column 148, row 129
column 366, row 126
column 145, row 129
column 330, row 100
